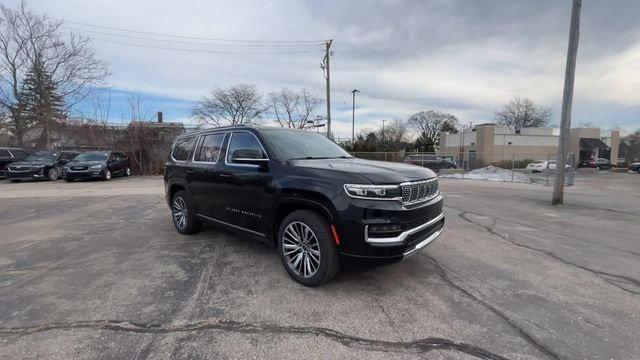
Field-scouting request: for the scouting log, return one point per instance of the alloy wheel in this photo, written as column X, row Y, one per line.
column 180, row 212
column 301, row 249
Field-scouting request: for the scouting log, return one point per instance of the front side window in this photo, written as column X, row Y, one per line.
column 244, row 145
column 182, row 149
column 42, row 156
column 209, row 148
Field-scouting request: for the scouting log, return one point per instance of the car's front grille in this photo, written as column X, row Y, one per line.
column 79, row 168
column 419, row 191
column 19, row 168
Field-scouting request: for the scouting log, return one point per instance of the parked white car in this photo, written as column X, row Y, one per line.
column 543, row 165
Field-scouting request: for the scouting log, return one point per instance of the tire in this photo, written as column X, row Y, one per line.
column 187, row 223
column 299, row 261
column 107, row 175
column 52, row 174
column 68, row 180
column 127, row 171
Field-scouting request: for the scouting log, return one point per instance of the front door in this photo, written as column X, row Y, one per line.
column 247, row 186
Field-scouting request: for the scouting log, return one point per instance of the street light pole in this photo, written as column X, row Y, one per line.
column 353, row 117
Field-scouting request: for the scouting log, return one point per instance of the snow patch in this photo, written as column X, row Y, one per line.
column 491, row 173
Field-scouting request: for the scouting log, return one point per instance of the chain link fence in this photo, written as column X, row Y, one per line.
column 537, row 168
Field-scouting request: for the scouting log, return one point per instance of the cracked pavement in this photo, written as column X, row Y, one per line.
column 96, row 270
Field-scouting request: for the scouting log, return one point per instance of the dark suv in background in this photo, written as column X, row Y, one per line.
column 97, row 165
column 304, row 194
column 9, row 155
column 40, row 165
column 433, row 162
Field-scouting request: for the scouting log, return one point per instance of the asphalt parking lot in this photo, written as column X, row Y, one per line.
column 96, row 270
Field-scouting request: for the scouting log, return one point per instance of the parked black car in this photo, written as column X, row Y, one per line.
column 9, row 155
column 40, row 165
column 97, row 165
column 302, row 193
column 433, row 162
column 635, row 166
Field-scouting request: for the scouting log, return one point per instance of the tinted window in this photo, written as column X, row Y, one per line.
column 91, row 156
column 42, row 156
column 209, row 149
column 68, row 156
column 182, row 149
column 19, row 153
column 291, row 144
column 4, row 154
column 244, row 141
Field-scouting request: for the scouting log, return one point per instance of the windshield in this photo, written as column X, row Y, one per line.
column 91, row 157
column 42, row 156
column 298, row 144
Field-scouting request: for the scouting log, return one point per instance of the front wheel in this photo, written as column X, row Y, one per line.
column 307, row 250
column 52, row 174
column 107, row 175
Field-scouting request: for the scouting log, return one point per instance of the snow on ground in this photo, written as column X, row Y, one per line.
column 491, row 173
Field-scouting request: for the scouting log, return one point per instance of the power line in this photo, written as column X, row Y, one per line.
column 276, row 45
column 189, row 37
column 283, row 51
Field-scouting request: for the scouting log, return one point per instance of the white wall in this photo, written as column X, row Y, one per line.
column 453, row 140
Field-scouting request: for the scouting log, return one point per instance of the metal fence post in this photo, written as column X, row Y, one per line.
column 547, row 170
column 513, row 167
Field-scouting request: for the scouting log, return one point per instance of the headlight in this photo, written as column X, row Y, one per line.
column 96, row 167
column 374, row 192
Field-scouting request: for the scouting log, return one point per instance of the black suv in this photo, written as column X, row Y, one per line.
column 9, row 155
column 40, row 165
column 301, row 192
column 97, row 165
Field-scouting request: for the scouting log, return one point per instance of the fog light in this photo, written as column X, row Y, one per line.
column 384, row 228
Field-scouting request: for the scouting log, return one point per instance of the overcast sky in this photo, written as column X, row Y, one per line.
column 464, row 57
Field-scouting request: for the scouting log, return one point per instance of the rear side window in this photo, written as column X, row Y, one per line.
column 244, row 141
column 182, row 149
column 209, row 148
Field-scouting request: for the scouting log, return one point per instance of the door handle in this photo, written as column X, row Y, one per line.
column 225, row 175
column 190, row 172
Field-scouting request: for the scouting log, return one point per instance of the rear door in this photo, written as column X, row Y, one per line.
column 206, row 186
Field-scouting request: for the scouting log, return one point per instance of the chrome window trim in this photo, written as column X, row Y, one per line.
column 400, row 239
column 226, row 152
column 203, row 136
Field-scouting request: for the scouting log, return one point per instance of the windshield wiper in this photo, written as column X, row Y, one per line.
column 311, row 158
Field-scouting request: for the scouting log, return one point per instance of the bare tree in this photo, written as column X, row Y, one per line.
column 239, row 104
column 139, row 107
column 28, row 40
column 293, row 110
column 430, row 124
column 394, row 136
column 521, row 113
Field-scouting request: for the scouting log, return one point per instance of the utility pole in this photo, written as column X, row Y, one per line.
column 353, row 117
column 325, row 65
column 567, row 99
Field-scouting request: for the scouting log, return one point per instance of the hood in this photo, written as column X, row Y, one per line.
column 85, row 163
column 32, row 163
column 377, row 172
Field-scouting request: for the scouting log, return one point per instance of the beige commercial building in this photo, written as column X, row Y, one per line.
column 484, row 144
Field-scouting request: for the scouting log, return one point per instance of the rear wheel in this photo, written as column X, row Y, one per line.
column 52, row 174
column 182, row 213
column 127, row 171
column 307, row 250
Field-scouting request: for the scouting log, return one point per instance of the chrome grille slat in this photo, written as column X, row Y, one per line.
column 419, row 191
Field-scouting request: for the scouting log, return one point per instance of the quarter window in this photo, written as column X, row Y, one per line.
column 209, row 148
column 245, row 141
column 182, row 149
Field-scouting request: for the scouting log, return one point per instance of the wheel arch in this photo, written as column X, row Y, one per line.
column 300, row 201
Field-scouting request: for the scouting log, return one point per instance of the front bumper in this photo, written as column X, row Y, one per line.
column 419, row 226
column 25, row 174
column 83, row 174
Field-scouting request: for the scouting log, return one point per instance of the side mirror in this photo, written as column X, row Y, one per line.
column 249, row 156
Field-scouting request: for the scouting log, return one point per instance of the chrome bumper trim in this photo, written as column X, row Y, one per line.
column 424, row 242
column 398, row 240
